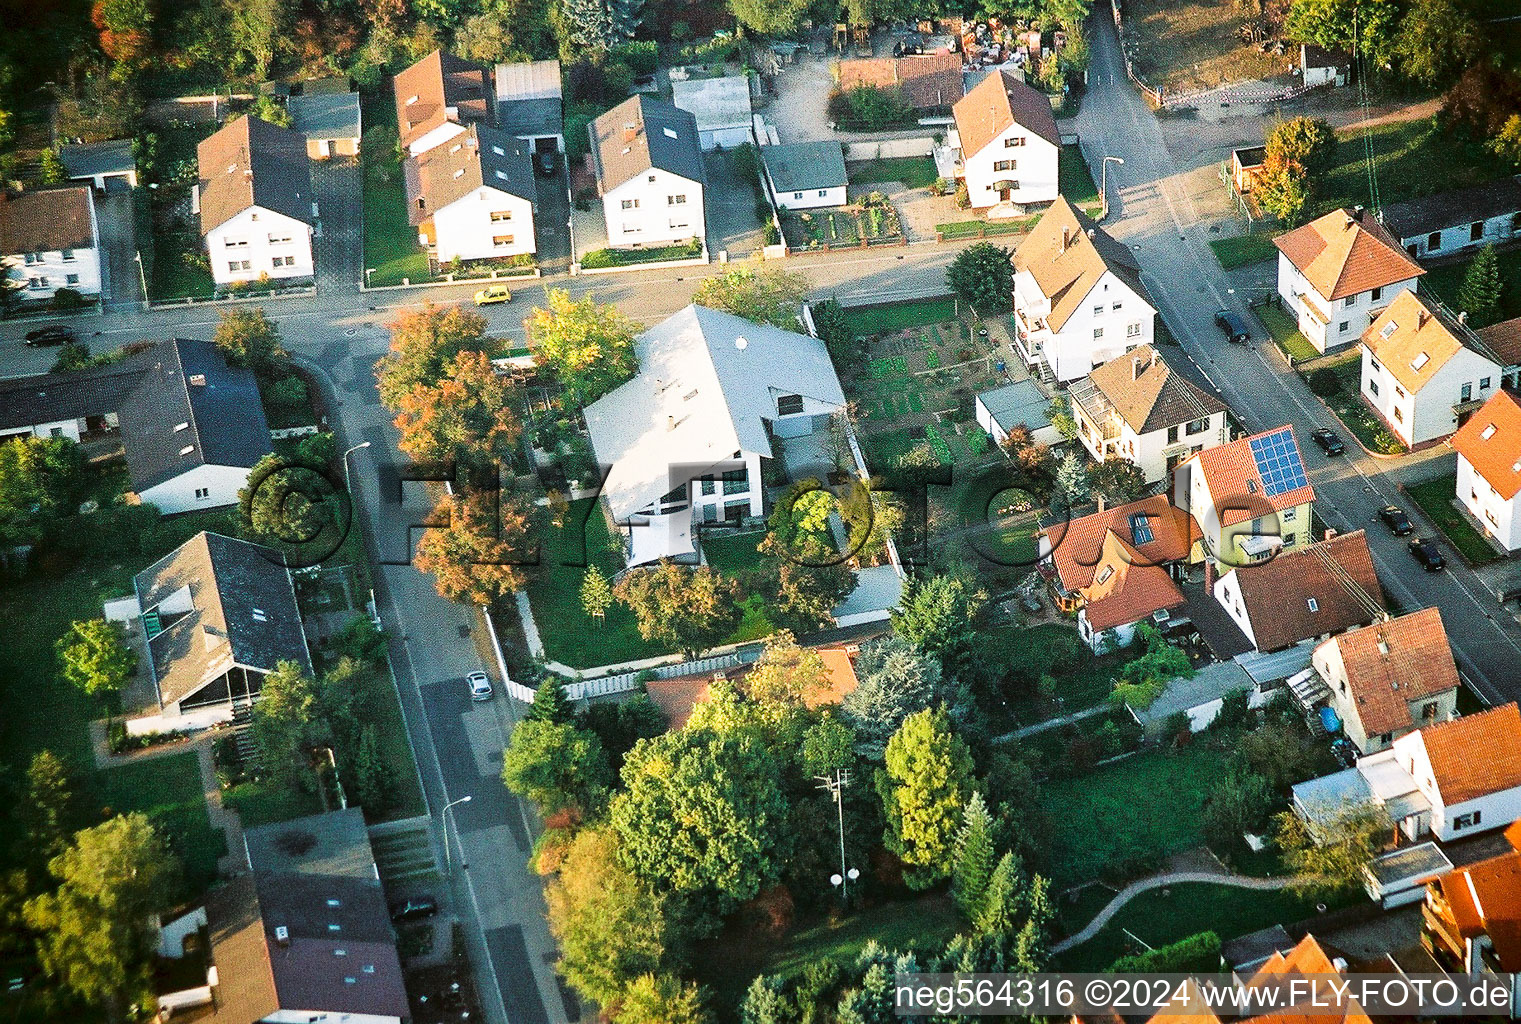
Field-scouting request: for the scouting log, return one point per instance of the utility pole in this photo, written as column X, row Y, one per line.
column 834, row 783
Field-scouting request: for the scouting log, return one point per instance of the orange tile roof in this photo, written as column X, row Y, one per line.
column 1475, row 755
column 1235, row 483
column 997, row 102
column 1277, row 593
column 1148, row 395
column 677, row 697
column 926, row 82
column 1305, row 960
column 1417, row 331
column 1497, row 458
column 1126, row 587
column 1391, row 664
column 1504, row 338
column 1486, row 900
column 1067, row 262
column 1344, row 253
column 1077, row 546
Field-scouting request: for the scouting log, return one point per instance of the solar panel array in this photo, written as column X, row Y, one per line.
column 1278, row 463
column 1140, row 529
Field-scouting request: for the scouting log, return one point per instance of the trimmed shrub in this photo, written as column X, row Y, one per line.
column 1325, row 382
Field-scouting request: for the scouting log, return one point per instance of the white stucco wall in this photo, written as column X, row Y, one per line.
column 1460, row 237
column 1034, row 168
column 1346, row 318
column 1111, row 321
column 1496, row 513
column 466, row 228
column 655, row 218
column 258, row 237
column 1427, row 414
column 78, row 269
column 808, row 200
column 221, row 484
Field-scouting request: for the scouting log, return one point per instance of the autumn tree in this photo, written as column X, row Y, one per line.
column 689, row 608
column 589, row 346
column 766, row 296
column 424, row 343
column 1329, row 857
column 248, row 338
column 478, row 547
column 1117, row 480
column 126, row 33
column 467, row 417
column 94, row 655
column 926, row 781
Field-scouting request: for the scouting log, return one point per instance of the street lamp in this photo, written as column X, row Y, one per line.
column 367, row 272
column 835, row 782
column 141, row 275
column 1104, row 182
column 448, row 851
column 346, row 486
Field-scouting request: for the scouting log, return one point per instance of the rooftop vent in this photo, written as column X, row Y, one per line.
column 187, row 449
column 282, row 935
column 498, row 150
column 741, row 343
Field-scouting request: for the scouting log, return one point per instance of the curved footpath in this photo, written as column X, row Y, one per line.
column 1135, row 889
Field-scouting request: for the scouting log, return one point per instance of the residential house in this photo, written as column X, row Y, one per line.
column 74, row 405
column 721, row 107
column 1451, row 780
column 439, row 96
column 529, row 105
column 1139, row 408
column 688, row 440
column 1489, row 468
column 1319, row 66
column 1321, row 590
column 1009, row 146
column 648, row 163
column 1020, row 404
column 106, row 165
column 1078, row 297
column 806, row 175
column 1457, row 221
column 1116, row 568
column 472, row 197
column 678, row 696
column 50, row 239
column 1390, row 678
column 256, row 202
column 1336, row 272
column 327, row 114
column 213, row 617
column 1250, row 499
column 929, row 83
column 1424, row 370
column 305, row 936
column 1471, row 918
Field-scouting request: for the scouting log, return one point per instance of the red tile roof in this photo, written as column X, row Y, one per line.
column 1486, row 900
column 927, row 82
column 1277, row 593
column 1077, row 546
column 1497, row 457
column 1344, row 253
column 995, row 103
column 1126, row 587
column 1235, row 483
column 1475, row 755
column 1391, row 664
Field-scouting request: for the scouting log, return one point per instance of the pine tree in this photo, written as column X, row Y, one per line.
column 1000, row 902
column 974, row 857
column 550, row 704
column 627, row 17
column 1072, row 480
column 1479, row 294
column 596, row 594
column 1031, row 949
column 763, row 1002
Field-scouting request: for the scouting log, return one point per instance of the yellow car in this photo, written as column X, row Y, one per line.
column 495, row 293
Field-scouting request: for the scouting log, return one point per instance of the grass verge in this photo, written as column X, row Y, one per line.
column 1075, row 181
column 912, row 171
column 895, row 316
column 599, row 259
column 1435, row 498
column 1243, row 250
column 1286, row 334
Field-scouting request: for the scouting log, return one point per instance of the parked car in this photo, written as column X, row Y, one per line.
column 415, row 909
column 1328, row 441
column 1428, row 554
column 54, row 335
column 1236, row 331
column 1394, row 517
column 546, row 162
column 480, row 686
column 492, row 294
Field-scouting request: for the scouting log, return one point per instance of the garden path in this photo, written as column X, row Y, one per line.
column 1135, row 889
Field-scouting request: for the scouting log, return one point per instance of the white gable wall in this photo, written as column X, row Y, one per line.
column 644, row 211
column 1497, row 514
column 466, row 228
column 182, row 493
column 1427, row 414
column 1111, row 321
column 1016, row 154
column 47, row 272
column 249, row 244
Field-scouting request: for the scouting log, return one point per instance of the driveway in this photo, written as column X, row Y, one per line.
column 731, row 205
column 551, row 221
column 121, row 281
column 338, row 183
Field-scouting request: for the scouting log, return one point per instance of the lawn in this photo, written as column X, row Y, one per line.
column 168, row 790
column 390, row 243
column 1024, row 654
column 912, row 171
column 1185, row 910
column 731, row 553
column 172, row 230
column 1243, row 250
column 602, row 258
column 257, row 804
column 984, row 228
column 1286, row 333
column 1435, row 498
column 1147, row 805
column 1445, row 280
column 1349, row 407
column 1414, row 158
column 899, row 315
column 1074, row 181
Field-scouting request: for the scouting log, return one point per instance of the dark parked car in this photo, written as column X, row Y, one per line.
column 1328, row 441
column 546, row 162
column 55, row 335
column 1428, row 554
column 414, row 909
column 1236, row 331
column 1394, row 517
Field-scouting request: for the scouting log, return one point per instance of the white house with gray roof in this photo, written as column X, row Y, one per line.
column 721, row 107
column 806, row 175
column 687, row 439
column 472, row 197
column 649, row 173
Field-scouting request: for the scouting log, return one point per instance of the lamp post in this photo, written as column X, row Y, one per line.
column 835, row 782
column 448, row 850
column 346, row 485
column 1104, row 183
column 141, row 275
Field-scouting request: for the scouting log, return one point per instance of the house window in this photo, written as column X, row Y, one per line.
column 733, row 513
column 1288, row 542
column 74, row 279
column 1399, row 392
column 1343, row 328
column 823, row 193
column 797, row 195
column 1288, row 514
column 1468, row 820
column 68, row 255
column 237, row 265
column 501, row 241
column 631, row 204
column 202, row 493
column 1098, row 310
column 1116, row 306
column 1349, row 301
column 789, row 405
column 1098, row 332
column 1483, row 383
column 708, row 485
column 1005, row 165
column 1378, row 293
column 1172, row 434
column 1428, row 711
column 1399, row 414
column 498, row 216
column 1476, row 231
column 279, row 239
column 1467, row 392
column 1372, row 386
column 1197, row 426
column 1434, row 240
column 675, row 200
column 284, row 261
column 1133, row 330
column 36, row 282
column 235, row 243
column 32, row 258
column 1010, row 143
column 736, row 480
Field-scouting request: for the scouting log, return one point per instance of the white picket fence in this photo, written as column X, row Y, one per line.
column 626, row 682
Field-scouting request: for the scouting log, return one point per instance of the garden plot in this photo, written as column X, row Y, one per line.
column 870, row 219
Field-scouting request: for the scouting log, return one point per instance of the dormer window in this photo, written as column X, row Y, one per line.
column 181, row 426
column 670, row 133
column 411, row 100
column 460, row 173
column 455, row 148
column 1419, row 361
column 259, row 615
column 1313, row 604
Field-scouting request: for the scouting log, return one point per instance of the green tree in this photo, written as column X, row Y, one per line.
column 373, row 781
column 827, row 744
column 1306, row 144
column 660, row 999
column 973, row 866
column 424, row 343
column 1238, row 804
column 256, row 28
column 703, row 815
column 610, row 926
column 690, row 609
column 1117, row 480
column 982, row 275
column 40, row 479
column 1282, row 192
column 1479, row 294
column 550, row 704
column 1060, row 414
column 1463, row 41
column 1072, row 481
column 596, row 594
column 46, row 809
column 285, row 725
column 926, row 781
column 94, row 655
column 249, row 338
column 997, row 911
column 589, row 346
column 767, row 296
column 936, row 614
column 765, row 1002
column 276, row 504
column 557, row 766
column 1336, row 24
column 767, row 17
column 1330, row 857
column 833, row 328
column 895, row 680
column 96, row 931
column 50, row 169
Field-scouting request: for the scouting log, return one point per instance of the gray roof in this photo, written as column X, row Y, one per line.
column 1253, row 949
column 707, row 384
column 224, row 602
column 1018, row 403
column 325, row 115
column 332, row 844
column 1412, row 864
column 1210, row 683
column 641, row 133
column 91, row 158
column 531, row 118
column 806, row 166
column 189, row 382
column 1461, row 206
column 477, row 157
column 73, row 394
column 715, row 102
column 251, row 162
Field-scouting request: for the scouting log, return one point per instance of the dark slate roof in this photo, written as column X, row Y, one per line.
column 325, row 115
column 477, row 157
column 91, row 158
column 335, row 843
column 47, row 220
column 305, row 904
column 188, row 382
column 250, row 162
column 1450, row 209
column 241, row 610
column 532, row 117
column 49, row 397
column 805, row 166
column 641, row 133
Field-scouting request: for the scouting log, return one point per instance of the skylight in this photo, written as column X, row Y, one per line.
column 1314, row 604
column 670, row 133
column 187, row 449
column 1103, row 576
column 1389, row 328
column 498, row 150
column 1488, row 433
column 1419, row 361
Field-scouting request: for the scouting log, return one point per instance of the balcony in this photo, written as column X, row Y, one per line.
column 1096, row 411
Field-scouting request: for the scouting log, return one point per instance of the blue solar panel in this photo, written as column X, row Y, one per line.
column 1140, row 529
column 1278, row 462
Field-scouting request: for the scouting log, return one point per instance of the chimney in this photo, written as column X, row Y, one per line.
column 1092, row 232
column 1066, row 239
column 1351, row 220
column 1135, row 367
column 282, row 935
column 1421, row 317
column 670, row 423
column 1357, row 213
column 630, row 132
column 1101, row 503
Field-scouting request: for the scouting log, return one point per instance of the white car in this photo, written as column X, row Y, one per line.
column 480, row 686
